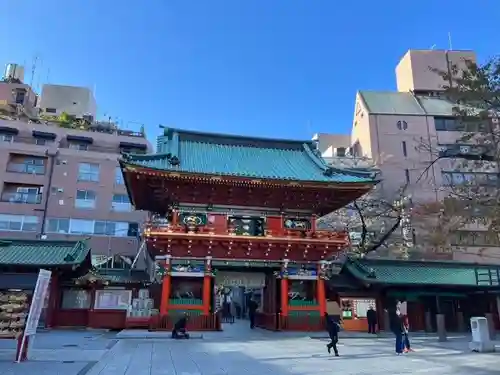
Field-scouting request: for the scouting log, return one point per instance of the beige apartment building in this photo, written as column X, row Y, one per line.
column 396, row 128
column 65, row 183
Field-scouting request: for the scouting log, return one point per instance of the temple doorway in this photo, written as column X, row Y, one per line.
column 233, row 292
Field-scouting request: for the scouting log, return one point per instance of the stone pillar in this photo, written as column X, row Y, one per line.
column 461, row 321
column 387, row 321
column 428, row 322
column 441, row 327
column 491, row 325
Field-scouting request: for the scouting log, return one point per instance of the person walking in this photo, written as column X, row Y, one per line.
column 371, row 316
column 252, row 310
column 397, row 329
column 406, row 339
column 333, row 328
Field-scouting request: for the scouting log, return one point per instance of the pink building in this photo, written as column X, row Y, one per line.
column 60, row 183
column 390, row 127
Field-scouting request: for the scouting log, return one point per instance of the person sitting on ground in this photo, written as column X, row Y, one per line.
column 179, row 331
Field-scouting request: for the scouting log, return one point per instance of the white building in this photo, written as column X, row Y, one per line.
column 75, row 101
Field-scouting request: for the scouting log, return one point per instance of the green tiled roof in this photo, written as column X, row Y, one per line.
column 405, row 103
column 42, row 253
column 391, row 103
column 394, row 272
column 229, row 155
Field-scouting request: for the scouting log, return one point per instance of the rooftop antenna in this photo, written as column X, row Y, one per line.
column 33, row 70
column 450, row 46
column 48, row 76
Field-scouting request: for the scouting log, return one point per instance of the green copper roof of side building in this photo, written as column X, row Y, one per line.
column 400, row 272
column 405, row 103
column 40, row 253
column 230, row 155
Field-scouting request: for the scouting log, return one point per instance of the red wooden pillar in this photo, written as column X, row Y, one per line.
column 284, row 288
column 207, row 283
column 320, row 290
column 165, row 289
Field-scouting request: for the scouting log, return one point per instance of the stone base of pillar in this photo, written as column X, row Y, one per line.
column 428, row 322
column 491, row 325
column 387, row 321
column 441, row 327
column 460, row 322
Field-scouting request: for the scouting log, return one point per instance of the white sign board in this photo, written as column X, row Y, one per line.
column 37, row 302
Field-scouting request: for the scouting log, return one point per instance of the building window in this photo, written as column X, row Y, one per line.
column 104, row 228
column 119, row 176
column 407, row 176
column 402, row 125
column 78, row 146
column 121, row 203
column 75, row 299
column 50, row 110
column 29, row 195
column 85, row 199
column 58, row 226
column 88, row 172
column 43, row 142
column 109, row 299
column 452, row 124
column 6, row 138
column 340, row 152
column 81, row 226
column 405, row 152
column 470, row 179
column 20, row 96
column 95, row 227
column 133, row 150
column 28, row 165
column 474, row 238
column 18, row 223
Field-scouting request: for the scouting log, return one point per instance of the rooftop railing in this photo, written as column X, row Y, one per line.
column 71, row 123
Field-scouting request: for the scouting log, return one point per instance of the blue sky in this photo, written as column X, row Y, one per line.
column 278, row 68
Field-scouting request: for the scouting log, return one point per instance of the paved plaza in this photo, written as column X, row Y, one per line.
column 241, row 351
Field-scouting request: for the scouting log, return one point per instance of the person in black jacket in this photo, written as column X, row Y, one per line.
column 179, row 330
column 371, row 316
column 333, row 328
column 252, row 310
column 397, row 328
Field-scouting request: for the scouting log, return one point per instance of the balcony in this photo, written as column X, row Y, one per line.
column 27, row 168
column 26, row 198
column 163, row 227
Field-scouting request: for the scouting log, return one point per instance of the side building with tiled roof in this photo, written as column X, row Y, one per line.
column 396, row 128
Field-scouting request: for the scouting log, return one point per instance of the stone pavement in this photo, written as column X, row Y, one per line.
column 239, row 350
column 58, row 352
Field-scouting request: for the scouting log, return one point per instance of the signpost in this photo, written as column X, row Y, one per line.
column 36, row 307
